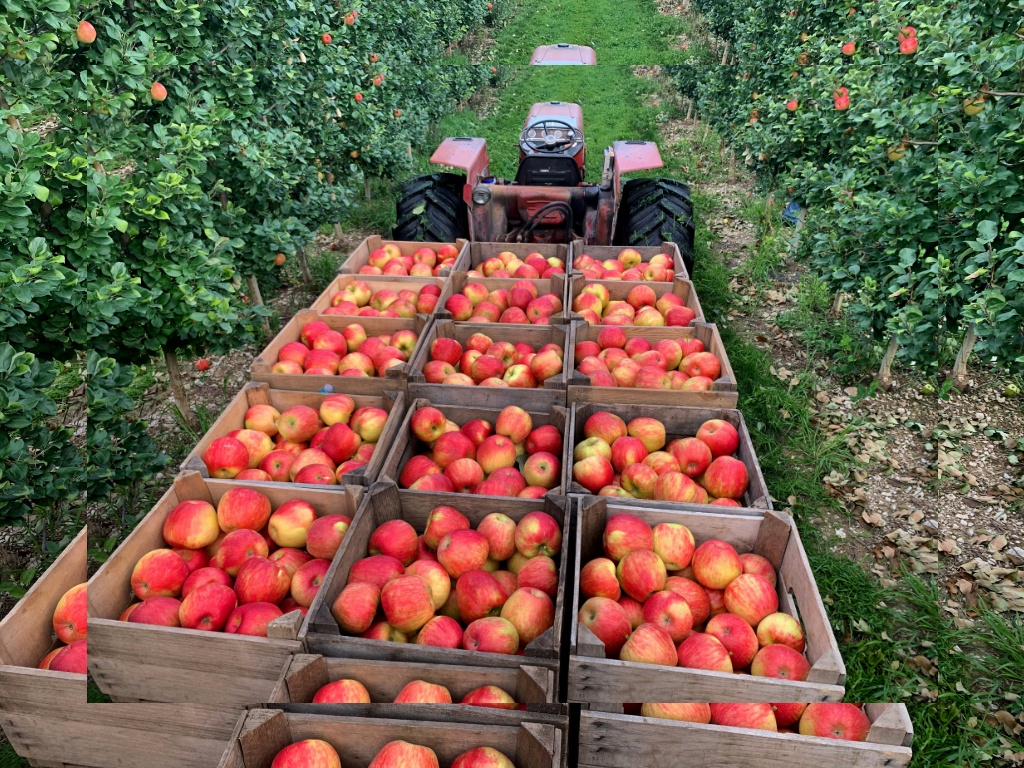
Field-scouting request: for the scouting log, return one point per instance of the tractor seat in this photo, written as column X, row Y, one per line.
column 549, row 171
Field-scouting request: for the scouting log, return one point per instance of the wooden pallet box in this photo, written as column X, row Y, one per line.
column 264, row 732
column 537, row 399
column 621, row 741
column 723, row 393
column 139, row 662
column 405, row 444
column 46, row 718
column 605, row 252
column 560, row 285
column 233, row 417
column 394, row 380
column 385, row 502
column 375, row 283
column 305, row 674
column 594, row 678
column 361, row 255
column 679, row 421
column 618, row 290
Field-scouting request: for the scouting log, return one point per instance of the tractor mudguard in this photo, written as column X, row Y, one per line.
column 467, row 154
column 634, row 156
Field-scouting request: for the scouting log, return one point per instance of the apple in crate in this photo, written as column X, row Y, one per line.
column 310, row 753
column 665, row 366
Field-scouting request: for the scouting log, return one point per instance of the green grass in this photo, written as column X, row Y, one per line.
column 620, row 31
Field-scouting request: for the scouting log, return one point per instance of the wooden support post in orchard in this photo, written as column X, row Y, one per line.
column 884, row 376
column 257, row 299
column 959, row 375
column 366, row 187
column 338, row 233
column 732, row 164
column 725, row 55
column 178, row 389
column 689, row 109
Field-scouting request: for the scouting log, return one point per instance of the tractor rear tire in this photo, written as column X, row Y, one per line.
column 655, row 210
column 431, row 209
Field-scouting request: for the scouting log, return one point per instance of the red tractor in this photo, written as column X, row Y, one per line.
column 549, row 201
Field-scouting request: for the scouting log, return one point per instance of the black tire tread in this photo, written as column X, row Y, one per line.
column 443, row 218
column 657, row 210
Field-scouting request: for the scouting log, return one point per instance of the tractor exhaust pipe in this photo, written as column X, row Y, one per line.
column 607, row 170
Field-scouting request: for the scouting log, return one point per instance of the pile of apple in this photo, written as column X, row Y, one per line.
column 237, row 567
column 424, row 262
column 615, row 361
column 521, row 304
column 535, row 266
column 633, row 461
column 642, row 307
column 482, row 458
column 491, row 363
column 301, row 445
column 656, row 598
column 491, row 589
column 357, row 298
column 349, row 691
column 70, row 625
column 629, row 265
column 826, row 720
column 394, row 754
column 322, row 351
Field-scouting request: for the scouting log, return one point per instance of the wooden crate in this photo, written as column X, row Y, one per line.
column 350, row 385
column 722, row 394
column 361, row 255
column 45, row 715
column 621, row 741
column 557, row 284
column 618, row 290
column 679, row 421
column 405, row 443
column 265, row 732
column 537, row 399
column 305, row 674
column 376, row 283
column 605, row 252
column 477, row 253
column 139, row 662
column 233, row 417
column 385, row 502
column 593, row 678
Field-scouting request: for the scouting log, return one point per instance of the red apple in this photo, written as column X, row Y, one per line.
column 395, row 538
column 780, row 661
column 290, row 523
column 593, row 472
column 674, row 544
column 751, row 597
column 160, row 573
column 310, row 753
column 704, row 651
column 669, row 611
column 489, row 696
column 608, row 621
column 500, row 532
column 737, row 637
column 835, row 720
column 694, row 595
column 686, row 713
column 491, row 634
column 376, row 569
column 726, row 477
column 325, row 535
column 598, row 579
column 159, row 611
column 538, row 533
column 192, row 524
column 462, row 551
column 757, row 716
column 641, row 573
column 342, row 692
column 422, row 692
column 479, row 594
column 759, row 565
column 539, row 572
column 73, row 658
column 261, row 580
column 440, row 632
column 207, row 607
column 692, row 455
column 530, row 611
column 355, row 607
column 781, row 629
column 225, row 458
column 788, row 714
column 243, row 507
column 715, row 564
column 649, row 644
column 720, row 436
column 306, row 581
column 440, row 522
column 71, row 615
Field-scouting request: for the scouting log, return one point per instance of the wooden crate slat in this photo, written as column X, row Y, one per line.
column 622, row 741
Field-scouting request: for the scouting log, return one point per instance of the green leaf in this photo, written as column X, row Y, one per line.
column 42, row 193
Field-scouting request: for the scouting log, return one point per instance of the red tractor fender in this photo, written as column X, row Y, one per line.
column 467, row 154
column 634, row 156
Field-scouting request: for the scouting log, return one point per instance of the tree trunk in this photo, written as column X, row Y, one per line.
column 257, row 299
column 304, row 266
column 837, row 305
column 178, row 389
column 884, row 377
column 959, row 375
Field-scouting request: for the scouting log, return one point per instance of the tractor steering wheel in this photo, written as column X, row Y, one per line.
column 548, row 136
